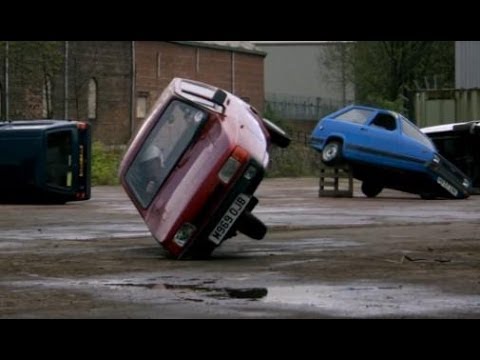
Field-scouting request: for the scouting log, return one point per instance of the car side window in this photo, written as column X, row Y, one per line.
column 358, row 116
column 413, row 132
column 385, row 121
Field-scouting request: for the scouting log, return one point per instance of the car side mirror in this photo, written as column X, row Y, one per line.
column 219, row 97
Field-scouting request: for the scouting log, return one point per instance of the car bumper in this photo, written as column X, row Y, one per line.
column 449, row 182
column 207, row 221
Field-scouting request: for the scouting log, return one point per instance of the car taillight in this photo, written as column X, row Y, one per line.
column 81, row 161
column 82, row 125
column 80, row 195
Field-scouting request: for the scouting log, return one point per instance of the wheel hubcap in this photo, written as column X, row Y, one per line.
column 330, row 153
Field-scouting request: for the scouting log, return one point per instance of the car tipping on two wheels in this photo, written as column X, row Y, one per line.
column 385, row 150
column 192, row 169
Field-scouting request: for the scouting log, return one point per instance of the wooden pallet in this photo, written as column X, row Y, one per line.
column 335, row 181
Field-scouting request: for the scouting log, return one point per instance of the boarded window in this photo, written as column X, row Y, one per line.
column 92, row 99
column 141, row 106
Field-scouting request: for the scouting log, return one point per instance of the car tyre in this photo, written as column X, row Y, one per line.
column 371, row 188
column 332, row 153
column 251, row 226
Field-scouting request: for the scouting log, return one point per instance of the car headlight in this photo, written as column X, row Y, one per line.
column 436, row 159
column 184, row 234
column 466, row 183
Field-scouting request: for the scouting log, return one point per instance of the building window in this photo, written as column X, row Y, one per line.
column 47, row 98
column 92, row 99
column 141, row 106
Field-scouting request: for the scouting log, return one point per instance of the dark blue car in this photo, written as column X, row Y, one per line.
column 45, row 161
column 386, row 150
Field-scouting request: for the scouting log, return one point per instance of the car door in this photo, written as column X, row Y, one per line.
column 379, row 139
column 415, row 145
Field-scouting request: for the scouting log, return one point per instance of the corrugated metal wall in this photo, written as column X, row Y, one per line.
column 435, row 107
column 298, row 69
column 467, row 64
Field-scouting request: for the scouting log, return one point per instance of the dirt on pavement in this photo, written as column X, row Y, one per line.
column 394, row 256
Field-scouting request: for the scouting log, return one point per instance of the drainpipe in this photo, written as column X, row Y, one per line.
column 132, row 89
column 65, row 105
column 6, row 82
column 233, row 72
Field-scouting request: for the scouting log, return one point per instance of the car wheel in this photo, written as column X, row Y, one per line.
column 332, row 153
column 251, row 226
column 371, row 189
column 277, row 135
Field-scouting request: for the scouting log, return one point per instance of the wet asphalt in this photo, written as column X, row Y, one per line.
column 322, row 258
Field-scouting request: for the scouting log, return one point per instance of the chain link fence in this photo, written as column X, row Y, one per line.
column 293, row 107
column 299, row 159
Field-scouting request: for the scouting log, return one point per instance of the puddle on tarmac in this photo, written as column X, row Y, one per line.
column 360, row 299
column 222, row 293
column 219, row 293
column 247, row 293
column 371, row 299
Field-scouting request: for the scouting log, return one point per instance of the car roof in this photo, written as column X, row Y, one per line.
column 448, row 127
column 362, row 107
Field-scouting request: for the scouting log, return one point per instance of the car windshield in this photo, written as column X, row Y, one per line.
column 359, row 116
column 167, row 141
column 412, row 131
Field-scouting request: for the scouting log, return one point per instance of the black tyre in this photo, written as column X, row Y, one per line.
column 251, row 226
column 371, row 189
column 332, row 153
column 277, row 135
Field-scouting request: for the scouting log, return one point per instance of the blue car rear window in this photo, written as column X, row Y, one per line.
column 359, row 116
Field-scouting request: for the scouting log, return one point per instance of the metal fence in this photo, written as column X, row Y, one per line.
column 301, row 107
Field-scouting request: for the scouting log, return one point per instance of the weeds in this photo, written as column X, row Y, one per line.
column 105, row 162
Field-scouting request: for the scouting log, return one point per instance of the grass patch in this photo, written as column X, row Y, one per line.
column 296, row 160
column 105, row 163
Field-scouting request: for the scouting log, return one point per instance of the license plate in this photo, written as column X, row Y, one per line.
column 447, row 186
column 228, row 219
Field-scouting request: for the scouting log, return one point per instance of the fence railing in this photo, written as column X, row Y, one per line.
column 301, row 107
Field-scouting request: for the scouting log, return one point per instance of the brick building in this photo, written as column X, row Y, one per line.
column 113, row 84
